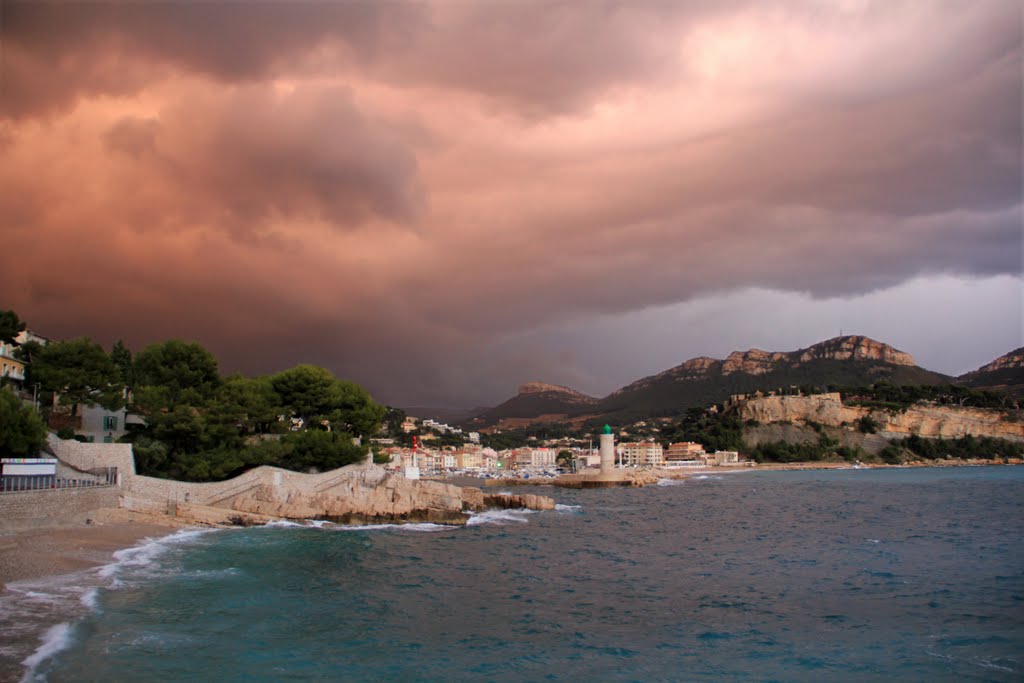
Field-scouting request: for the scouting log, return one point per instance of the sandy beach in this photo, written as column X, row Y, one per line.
column 51, row 551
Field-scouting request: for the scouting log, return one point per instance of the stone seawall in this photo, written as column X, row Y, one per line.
column 364, row 493
column 947, row 422
column 85, row 456
column 54, row 506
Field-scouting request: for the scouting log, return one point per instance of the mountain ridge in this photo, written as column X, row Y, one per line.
column 847, row 359
column 1005, row 374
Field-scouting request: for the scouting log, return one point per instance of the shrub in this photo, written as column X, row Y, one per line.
column 867, row 425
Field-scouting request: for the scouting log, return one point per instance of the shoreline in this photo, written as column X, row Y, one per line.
column 48, row 573
column 30, row 553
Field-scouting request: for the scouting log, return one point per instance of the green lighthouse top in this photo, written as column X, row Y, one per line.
column 606, row 430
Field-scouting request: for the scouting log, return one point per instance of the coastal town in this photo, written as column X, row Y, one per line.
column 546, row 459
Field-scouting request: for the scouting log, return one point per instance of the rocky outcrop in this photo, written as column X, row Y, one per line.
column 1003, row 375
column 373, row 496
column 1014, row 359
column 753, row 362
column 854, row 347
column 848, row 348
column 921, row 419
column 516, row 501
column 542, row 387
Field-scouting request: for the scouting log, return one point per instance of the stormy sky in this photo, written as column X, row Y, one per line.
column 443, row 199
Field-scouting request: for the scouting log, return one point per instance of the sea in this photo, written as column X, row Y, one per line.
column 832, row 575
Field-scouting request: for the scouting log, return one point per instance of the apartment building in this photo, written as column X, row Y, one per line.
column 641, row 453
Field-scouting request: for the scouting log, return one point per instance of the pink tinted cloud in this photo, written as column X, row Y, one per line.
column 392, row 189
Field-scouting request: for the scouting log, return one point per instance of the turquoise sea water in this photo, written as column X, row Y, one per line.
column 913, row 574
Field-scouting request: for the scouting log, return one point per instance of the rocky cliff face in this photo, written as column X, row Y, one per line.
column 849, row 348
column 1005, row 375
column 374, row 496
column 753, row 362
column 848, row 360
column 924, row 420
column 855, row 348
column 758, row 362
column 1012, row 360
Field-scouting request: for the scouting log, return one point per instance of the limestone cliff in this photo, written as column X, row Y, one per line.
column 921, row 419
column 1005, row 375
column 753, row 362
column 847, row 348
column 1014, row 359
column 853, row 347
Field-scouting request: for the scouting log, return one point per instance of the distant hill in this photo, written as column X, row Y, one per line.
column 536, row 400
column 847, row 360
column 1005, row 374
column 446, row 415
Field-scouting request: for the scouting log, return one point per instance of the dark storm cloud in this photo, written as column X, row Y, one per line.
column 538, row 56
column 306, row 154
column 402, row 191
column 57, row 51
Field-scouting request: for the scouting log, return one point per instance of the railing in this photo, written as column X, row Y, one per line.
column 333, row 481
column 236, row 490
column 46, row 482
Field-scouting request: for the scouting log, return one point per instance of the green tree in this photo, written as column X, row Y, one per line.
column 22, row 432
column 181, row 372
column 393, row 419
column 564, row 459
column 79, row 371
column 10, row 326
column 354, row 410
column 318, row 450
column 313, row 394
column 121, row 356
column 249, row 403
column 306, row 391
column 28, row 351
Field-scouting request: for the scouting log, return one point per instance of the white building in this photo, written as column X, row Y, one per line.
column 641, row 454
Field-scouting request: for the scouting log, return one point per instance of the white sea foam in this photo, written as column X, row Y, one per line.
column 55, row 639
column 30, row 607
column 283, row 523
column 499, row 517
column 419, row 526
column 568, row 508
column 670, row 482
column 706, row 476
column 145, row 554
column 988, row 664
column 37, row 595
column 215, row 573
column 90, row 598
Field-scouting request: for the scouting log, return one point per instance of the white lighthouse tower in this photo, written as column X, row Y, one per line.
column 607, row 450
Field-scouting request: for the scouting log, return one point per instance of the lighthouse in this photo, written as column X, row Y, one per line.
column 607, row 450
